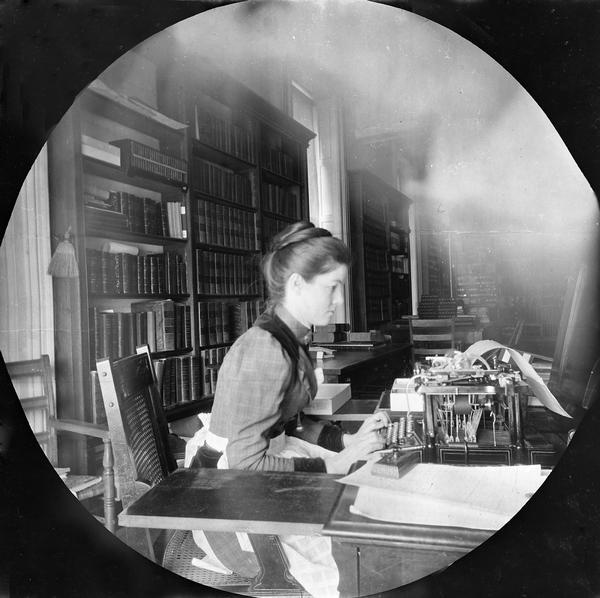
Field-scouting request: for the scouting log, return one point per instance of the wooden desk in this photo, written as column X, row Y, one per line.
column 355, row 528
column 230, row 500
column 376, row 556
column 372, row 556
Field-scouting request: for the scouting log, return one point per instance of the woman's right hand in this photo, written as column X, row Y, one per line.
column 362, row 446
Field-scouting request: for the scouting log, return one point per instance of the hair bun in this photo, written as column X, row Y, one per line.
column 296, row 233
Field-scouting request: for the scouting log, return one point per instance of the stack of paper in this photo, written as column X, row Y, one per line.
column 446, row 495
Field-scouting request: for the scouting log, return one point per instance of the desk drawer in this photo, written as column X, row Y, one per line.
column 475, row 456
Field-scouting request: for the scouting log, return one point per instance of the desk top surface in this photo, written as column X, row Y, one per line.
column 345, row 524
column 233, row 500
column 345, row 361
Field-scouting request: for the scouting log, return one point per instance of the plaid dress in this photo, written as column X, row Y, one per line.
column 257, row 400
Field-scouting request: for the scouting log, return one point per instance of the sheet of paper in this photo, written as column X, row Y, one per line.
column 386, row 505
column 539, row 388
column 477, row 497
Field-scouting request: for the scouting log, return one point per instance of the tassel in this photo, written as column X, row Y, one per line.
column 63, row 263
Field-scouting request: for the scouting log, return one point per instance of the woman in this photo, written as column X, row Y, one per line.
column 267, row 378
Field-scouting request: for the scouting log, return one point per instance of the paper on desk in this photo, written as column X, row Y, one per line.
column 448, row 495
column 539, row 388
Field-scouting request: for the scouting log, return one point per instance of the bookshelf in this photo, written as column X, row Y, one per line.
column 381, row 277
column 248, row 180
column 118, row 178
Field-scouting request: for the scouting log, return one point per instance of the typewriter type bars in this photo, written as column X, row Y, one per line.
column 467, row 414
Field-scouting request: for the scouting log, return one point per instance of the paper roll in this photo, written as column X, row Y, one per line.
column 114, row 247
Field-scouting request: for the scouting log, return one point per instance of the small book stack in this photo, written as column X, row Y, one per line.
column 329, row 398
column 140, row 159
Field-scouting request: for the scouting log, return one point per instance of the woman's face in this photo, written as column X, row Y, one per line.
column 320, row 296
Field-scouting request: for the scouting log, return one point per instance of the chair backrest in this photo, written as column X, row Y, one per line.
column 431, row 337
column 33, row 384
column 137, row 425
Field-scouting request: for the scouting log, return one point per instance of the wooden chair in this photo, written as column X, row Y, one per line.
column 33, row 384
column 431, row 337
column 139, row 434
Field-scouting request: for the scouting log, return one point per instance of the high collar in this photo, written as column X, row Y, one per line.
column 301, row 332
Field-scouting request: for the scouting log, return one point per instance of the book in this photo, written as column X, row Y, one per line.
column 79, row 483
column 100, row 150
column 329, row 398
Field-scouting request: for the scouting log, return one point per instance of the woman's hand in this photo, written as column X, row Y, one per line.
column 360, row 445
column 374, row 422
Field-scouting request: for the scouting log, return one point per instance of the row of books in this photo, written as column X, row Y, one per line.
column 143, row 215
column 280, row 162
column 399, row 242
column 214, row 323
column 217, row 181
column 222, row 322
column 217, row 224
column 375, row 259
column 140, row 159
column 179, row 379
column 211, row 362
column 400, row 264
column 143, row 274
column 279, row 200
column 433, row 306
column 271, row 226
column 377, row 284
column 374, row 235
column 377, row 309
column 243, row 314
column 162, row 325
column 226, row 273
column 225, row 135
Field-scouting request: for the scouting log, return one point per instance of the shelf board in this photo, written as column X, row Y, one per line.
column 124, row 235
column 221, row 157
column 215, row 346
column 128, row 112
column 224, row 249
column 400, row 231
column 171, row 353
column 115, row 173
column 275, row 216
column 148, row 297
column 279, row 179
column 199, row 194
column 181, row 410
column 209, row 296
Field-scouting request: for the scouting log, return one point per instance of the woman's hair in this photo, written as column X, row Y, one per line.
column 302, row 248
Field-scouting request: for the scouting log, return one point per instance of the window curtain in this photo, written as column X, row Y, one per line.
column 26, row 308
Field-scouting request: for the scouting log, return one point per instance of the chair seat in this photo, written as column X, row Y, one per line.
column 181, row 549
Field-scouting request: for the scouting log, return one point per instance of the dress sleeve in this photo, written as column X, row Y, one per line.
column 247, row 405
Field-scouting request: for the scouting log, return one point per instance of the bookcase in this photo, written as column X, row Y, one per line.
column 118, row 180
column 379, row 236
column 247, row 181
